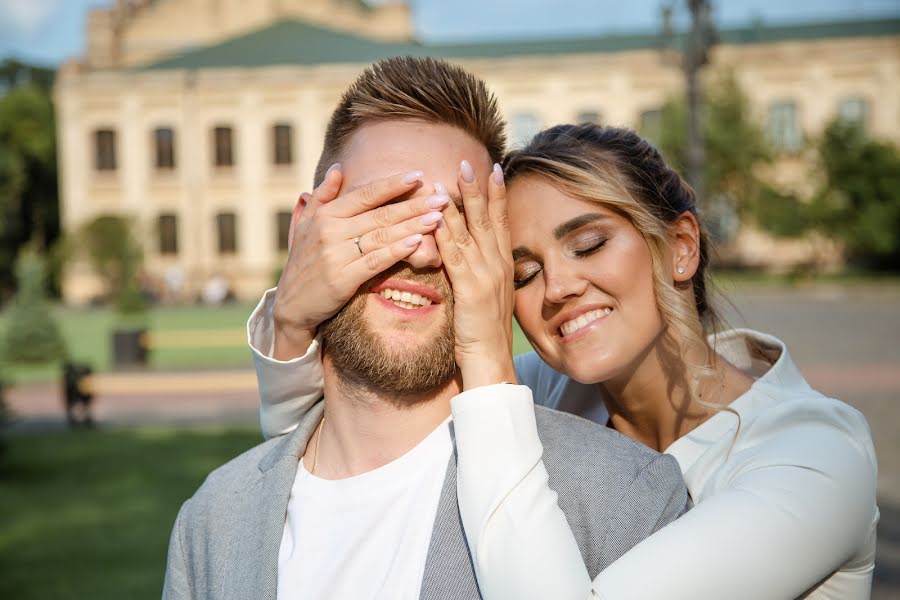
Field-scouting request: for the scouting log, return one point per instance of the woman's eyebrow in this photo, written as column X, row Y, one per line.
column 573, row 224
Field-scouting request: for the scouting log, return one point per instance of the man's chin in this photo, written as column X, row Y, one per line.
column 372, row 345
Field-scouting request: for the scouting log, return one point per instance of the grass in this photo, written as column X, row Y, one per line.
column 738, row 279
column 87, row 514
column 88, row 335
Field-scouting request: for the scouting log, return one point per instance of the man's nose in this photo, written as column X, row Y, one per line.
column 426, row 255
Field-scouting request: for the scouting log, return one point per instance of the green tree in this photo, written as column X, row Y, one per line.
column 29, row 211
column 14, row 73
column 116, row 257
column 859, row 201
column 735, row 145
column 32, row 334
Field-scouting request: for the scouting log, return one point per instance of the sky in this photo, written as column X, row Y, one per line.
column 49, row 31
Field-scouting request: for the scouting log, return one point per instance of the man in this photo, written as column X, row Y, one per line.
column 359, row 501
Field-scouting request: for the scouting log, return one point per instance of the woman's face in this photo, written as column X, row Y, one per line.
column 584, row 283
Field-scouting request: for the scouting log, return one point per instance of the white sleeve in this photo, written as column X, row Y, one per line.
column 287, row 389
column 790, row 514
column 520, row 541
column 787, row 512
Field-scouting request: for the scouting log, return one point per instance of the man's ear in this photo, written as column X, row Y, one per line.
column 685, row 235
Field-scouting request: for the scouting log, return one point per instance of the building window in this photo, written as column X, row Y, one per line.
column 783, row 128
column 524, row 125
column 283, row 226
column 650, row 124
column 588, row 116
column 282, row 140
column 226, row 227
column 164, row 140
column 168, row 234
column 855, row 110
column 105, row 147
column 223, row 151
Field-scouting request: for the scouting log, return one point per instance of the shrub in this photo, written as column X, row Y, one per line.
column 32, row 334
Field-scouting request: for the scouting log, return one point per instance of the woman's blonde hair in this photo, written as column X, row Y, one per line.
column 624, row 172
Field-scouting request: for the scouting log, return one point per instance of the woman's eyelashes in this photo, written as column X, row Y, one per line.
column 586, row 244
column 580, row 246
column 525, row 273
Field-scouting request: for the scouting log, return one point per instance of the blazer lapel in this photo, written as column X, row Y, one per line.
column 254, row 548
column 449, row 572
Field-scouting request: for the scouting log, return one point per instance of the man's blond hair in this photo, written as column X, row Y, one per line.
column 411, row 88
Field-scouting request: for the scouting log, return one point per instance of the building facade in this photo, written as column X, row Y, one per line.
column 203, row 119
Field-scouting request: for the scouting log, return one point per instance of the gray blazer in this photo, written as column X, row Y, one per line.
column 226, row 540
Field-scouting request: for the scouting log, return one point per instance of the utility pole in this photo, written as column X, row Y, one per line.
column 700, row 40
column 692, row 56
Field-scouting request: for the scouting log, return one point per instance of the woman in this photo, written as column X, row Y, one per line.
column 610, row 263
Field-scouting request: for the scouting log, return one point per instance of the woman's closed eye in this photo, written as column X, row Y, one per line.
column 586, row 244
column 525, row 272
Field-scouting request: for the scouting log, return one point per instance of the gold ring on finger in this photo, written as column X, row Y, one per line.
column 358, row 247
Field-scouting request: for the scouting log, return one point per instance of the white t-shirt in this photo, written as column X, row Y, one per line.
column 364, row 537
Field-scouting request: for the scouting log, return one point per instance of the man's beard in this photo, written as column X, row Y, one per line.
column 362, row 358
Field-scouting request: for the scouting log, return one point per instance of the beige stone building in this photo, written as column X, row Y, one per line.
column 203, row 119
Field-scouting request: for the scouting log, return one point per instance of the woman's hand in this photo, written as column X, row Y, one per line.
column 339, row 243
column 477, row 257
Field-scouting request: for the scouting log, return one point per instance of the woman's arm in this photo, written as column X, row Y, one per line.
column 794, row 503
column 790, row 510
column 520, row 539
column 289, row 388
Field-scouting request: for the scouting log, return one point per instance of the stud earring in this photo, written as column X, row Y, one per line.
column 680, row 270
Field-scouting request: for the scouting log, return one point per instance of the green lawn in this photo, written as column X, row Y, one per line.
column 849, row 278
column 88, row 334
column 87, row 514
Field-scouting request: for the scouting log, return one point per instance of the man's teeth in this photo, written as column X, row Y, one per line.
column 574, row 325
column 406, row 300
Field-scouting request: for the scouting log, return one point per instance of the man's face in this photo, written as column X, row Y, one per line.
column 403, row 346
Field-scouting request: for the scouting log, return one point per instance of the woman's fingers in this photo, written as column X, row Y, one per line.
column 385, row 236
column 477, row 219
column 499, row 215
column 302, row 201
column 374, row 194
column 325, row 192
column 380, row 218
column 372, row 263
column 457, row 247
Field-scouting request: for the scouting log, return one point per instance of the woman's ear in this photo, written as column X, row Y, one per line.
column 685, row 236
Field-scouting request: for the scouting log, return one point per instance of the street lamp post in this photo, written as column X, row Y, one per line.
column 698, row 44
column 694, row 56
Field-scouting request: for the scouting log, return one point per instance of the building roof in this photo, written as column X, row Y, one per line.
column 294, row 42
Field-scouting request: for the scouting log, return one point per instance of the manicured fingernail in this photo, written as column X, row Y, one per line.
column 412, row 240
column 334, row 167
column 498, row 174
column 437, row 201
column 412, row 176
column 468, row 174
column 439, row 188
column 430, row 219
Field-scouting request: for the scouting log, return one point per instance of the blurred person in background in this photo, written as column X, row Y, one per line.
column 359, row 501
column 610, row 269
